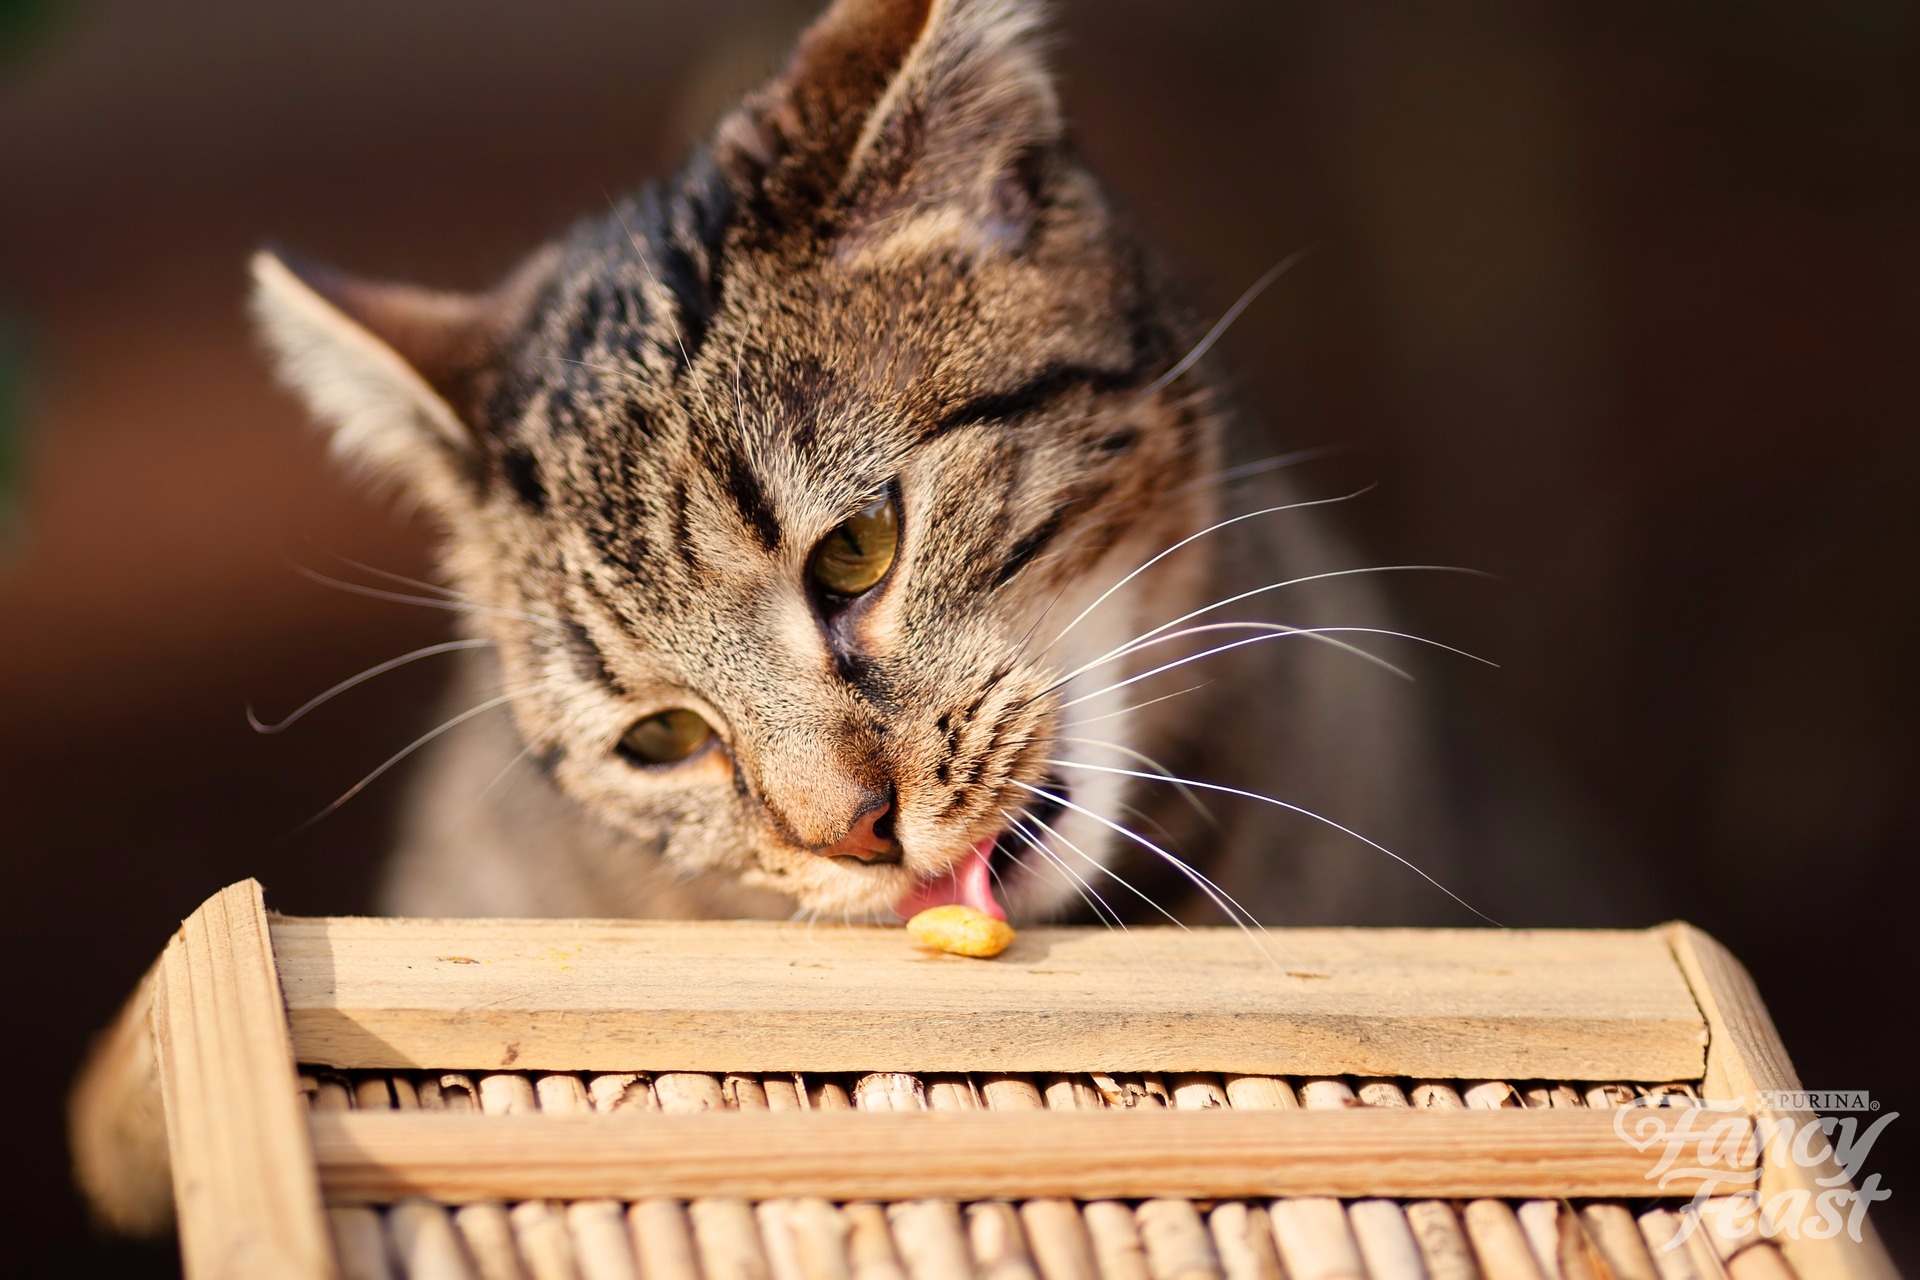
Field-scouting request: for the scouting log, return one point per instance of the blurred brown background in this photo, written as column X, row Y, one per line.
column 1619, row 300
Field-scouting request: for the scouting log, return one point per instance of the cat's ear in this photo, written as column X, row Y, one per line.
column 889, row 106
column 969, row 126
column 790, row 141
column 397, row 372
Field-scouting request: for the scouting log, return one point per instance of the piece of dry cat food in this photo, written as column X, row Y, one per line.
column 961, row 930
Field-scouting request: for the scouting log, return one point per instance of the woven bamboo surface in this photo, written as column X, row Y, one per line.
column 1012, row 1171
column 813, row 1239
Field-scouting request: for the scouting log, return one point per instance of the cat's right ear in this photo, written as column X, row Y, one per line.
column 399, row 373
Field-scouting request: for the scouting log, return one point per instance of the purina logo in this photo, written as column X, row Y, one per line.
column 1828, row 1101
column 1720, row 1147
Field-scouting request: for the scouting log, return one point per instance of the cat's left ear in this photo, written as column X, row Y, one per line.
column 400, row 374
column 970, row 124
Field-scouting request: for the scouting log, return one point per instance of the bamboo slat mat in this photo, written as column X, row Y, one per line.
column 183, row 1116
column 813, row 1239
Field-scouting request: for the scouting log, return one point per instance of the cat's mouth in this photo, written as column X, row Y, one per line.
column 991, row 864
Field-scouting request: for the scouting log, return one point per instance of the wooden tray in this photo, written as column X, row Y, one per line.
column 753, row 1101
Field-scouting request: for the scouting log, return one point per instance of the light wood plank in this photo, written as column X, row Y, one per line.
column 117, row 1127
column 1747, row 1061
column 851, row 1155
column 245, row 1190
column 719, row 996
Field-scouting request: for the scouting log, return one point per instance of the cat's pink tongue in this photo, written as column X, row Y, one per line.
column 969, row 883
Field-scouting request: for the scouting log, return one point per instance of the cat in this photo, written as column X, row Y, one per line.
column 852, row 522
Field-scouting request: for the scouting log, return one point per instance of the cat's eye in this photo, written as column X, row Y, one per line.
column 855, row 556
column 666, row 738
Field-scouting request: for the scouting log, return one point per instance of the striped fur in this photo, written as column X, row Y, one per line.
column 886, row 268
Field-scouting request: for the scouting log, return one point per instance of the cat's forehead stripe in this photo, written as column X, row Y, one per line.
column 1030, row 546
column 522, row 471
column 1035, row 393
column 589, row 664
column 750, row 498
column 631, row 306
column 682, row 534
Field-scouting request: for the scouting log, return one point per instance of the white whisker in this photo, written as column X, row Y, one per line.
column 1279, row 462
column 1315, row 632
column 646, row 264
column 1281, row 634
column 1225, row 322
column 390, row 576
column 1292, row 808
column 993, row 874
column 1144, row 819
column 1268, row 630
column 1294, row 582
column 1108, row 871
column 739, row 387
column 1104, row 913
column 498, row 778
column 379, row 669
column 1135, row 706
column 1194, row 537
column 452, row 606
column 1156, row 766
column 1218, row 896
column 416, row 744
column 611, row 370
column 1272, row 631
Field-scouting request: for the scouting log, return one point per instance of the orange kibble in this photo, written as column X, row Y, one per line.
column 961, row 930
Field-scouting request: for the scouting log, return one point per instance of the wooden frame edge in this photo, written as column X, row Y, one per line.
column 117, row 1127
column 245, row 1187
column 1745, row 1060
column 180, row 1115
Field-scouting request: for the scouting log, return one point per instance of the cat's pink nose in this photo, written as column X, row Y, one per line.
column 869, row 838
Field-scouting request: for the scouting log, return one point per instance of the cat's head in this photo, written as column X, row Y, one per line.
column 774, row 486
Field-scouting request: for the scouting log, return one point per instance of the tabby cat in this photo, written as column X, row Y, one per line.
column 833, row 523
